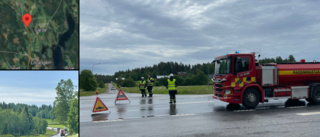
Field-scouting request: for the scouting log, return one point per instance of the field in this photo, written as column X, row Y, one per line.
column 49, row 133
column 55, row 124
column 196, row 89
column 88, row 93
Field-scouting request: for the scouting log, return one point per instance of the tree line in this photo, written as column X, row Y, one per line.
column 22, row 119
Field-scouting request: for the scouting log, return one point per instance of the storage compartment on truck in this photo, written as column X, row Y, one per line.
column 300, row 91
column 269, row 76
column 281, row 92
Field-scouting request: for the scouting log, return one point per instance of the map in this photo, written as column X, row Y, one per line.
column 39, row 34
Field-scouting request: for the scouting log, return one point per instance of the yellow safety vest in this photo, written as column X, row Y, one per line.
column 141, row 85
column 172, row 84
column 150, row 83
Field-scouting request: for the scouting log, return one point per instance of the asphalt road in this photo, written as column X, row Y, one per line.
column 196, row 115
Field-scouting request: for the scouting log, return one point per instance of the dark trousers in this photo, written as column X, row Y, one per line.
column 143, row 92
column 172, row 94
column 150, row 90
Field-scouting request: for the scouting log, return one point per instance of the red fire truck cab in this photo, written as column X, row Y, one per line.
column 239, row 79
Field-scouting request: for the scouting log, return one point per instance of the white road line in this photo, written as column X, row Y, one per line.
column 246, row 110
column 117, row 120
column 297, row 107
column 308, row 114
column 181, row 115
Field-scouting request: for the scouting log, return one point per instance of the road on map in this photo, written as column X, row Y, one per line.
column 196, row 115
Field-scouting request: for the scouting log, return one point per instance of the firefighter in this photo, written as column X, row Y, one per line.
column 171, row 85
column 142, row 87
column 150, row 82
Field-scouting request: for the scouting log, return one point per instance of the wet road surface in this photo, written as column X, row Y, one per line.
column 196, row 115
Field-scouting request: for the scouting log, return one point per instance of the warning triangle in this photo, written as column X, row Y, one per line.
column 121, row 96
column 99, row 106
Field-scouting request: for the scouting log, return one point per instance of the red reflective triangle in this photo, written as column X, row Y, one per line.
column 99, row 106
column 121, row 96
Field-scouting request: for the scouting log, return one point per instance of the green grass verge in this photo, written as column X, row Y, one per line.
column 55, row 124
column 89, row 93
column 75, row 135
column 201, row 89
column 49, row 133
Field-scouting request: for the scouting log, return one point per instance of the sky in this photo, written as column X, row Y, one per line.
column 32, row 87
column 126, row 34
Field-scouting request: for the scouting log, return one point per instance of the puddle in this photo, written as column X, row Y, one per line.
column 100, row 116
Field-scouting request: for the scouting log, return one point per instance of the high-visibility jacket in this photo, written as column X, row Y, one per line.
column 150, row 83
column 172, row 84
column 142, row 84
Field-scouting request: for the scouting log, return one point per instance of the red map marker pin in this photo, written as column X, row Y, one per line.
column 26, row 18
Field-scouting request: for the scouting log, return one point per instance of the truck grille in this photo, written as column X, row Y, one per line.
column 218, row 95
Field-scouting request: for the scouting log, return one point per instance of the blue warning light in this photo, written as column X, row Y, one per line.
column 237, row 52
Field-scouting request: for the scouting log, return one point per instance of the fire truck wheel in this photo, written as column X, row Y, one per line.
column 315, row 95
column 250, row 98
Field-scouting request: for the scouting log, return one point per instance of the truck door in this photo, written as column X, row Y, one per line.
column 243, row 71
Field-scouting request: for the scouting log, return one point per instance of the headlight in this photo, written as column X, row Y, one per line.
column 224, row 79
column 227, row 92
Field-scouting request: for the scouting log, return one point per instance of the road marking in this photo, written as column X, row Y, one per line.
column 117, row 120
column 246, row 110
column 297, row 107
column 308, row 114
column 182, row 115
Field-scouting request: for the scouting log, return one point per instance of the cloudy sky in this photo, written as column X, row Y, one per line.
column 32, row 87
column 126, row 34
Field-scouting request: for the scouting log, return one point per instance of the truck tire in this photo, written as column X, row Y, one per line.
column 250, row 98
column 315, row 95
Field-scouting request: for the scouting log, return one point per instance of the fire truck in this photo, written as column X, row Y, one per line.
column 240, row 79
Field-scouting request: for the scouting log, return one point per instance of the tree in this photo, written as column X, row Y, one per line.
column 73, row 116
column 101, row 84
column 128, row 83
column 200, row 78
column 61, row 112
column 279, row 59
column 291, row 58
column 62, row 101
column 87, row 81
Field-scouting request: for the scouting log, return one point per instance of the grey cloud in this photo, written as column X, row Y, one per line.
column 148, row 32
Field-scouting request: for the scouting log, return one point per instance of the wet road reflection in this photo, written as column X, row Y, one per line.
column 146, row 107
column 274, row 104
column 100, row 116
column 173, row 110
column 294, row 103
column 121, row 109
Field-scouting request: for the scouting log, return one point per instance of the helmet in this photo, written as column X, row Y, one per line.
column 171, row 75
column 142, row 77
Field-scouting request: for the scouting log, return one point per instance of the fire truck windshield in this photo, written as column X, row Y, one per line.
column 222, row 66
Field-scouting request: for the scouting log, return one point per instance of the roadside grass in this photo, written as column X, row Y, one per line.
column 89, row 93
column 55, row 124
column 49, row 133
column 195, row 89
column 75, row 135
